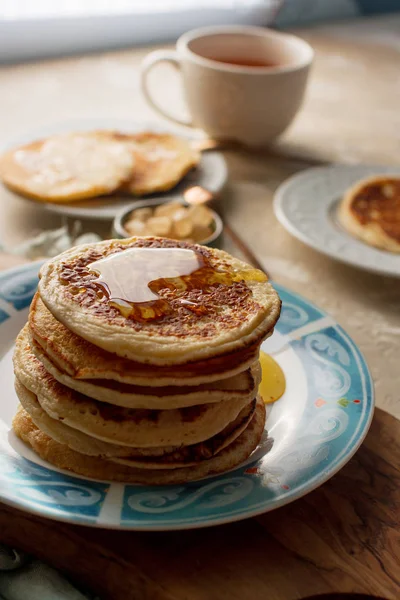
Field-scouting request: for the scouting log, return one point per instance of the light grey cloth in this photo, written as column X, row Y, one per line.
column 22, row 577
column 47, row 244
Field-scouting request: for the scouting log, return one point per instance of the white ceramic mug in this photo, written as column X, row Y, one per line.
column 249, row 104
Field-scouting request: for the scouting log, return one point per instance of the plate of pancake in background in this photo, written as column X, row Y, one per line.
column 152, row 384
column 93, row 168
column 349, row 213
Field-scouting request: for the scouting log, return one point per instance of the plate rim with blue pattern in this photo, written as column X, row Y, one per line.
column 313, row 431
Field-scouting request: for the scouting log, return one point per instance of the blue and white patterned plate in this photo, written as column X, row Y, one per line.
column 313, row 431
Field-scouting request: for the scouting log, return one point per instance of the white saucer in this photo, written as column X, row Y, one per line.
column 211, row 173
column 306, row 205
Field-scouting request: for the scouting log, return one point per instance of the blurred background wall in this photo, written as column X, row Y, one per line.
column 31, row 29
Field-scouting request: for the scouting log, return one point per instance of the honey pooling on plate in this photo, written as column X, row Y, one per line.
column 273, row 382
column 132, row 280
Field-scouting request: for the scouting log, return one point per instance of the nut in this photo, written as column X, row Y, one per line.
column 173, row 220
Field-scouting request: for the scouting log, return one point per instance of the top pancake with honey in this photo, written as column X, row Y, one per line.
column 371, row 211
column 159, row 301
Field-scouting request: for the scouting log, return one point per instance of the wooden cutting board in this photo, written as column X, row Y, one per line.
column 343, row 537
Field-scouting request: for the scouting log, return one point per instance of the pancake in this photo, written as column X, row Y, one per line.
column 222, row 305
column 196, row 453
column 122, row 426
column 370, row 210
column 161, row 161
column 63, row 457
column 82, row 360
column 150, row 458
column 242, row 386
column 67, row 167
column 63, row 434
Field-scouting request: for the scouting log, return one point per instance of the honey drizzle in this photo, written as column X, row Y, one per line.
column 202, row 279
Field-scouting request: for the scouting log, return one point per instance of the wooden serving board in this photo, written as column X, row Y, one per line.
column 343, row 537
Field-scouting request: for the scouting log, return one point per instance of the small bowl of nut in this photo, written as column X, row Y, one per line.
column 175, row 220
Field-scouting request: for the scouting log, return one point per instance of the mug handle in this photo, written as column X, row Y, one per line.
column 157, row 56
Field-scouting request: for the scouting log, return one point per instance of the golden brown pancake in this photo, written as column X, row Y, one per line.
column 370, row 210
column 194, row 454
column 161, row 161
column 150, row 458
column 63, row 457
column 115, row 424
column 82, row 360
column 73, row 438
column 67, row 167
column 242, row 386
column 221, row 305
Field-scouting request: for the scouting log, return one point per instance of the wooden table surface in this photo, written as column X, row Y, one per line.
column 344, row 536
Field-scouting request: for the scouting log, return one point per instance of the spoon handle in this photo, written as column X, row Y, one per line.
column 244, row 248
column 196, row 195
column 208, row 144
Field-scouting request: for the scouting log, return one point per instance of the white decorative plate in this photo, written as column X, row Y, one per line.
column 313, row 430
column 306, row 205
column 210, row 174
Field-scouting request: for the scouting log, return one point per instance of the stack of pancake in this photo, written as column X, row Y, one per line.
column 139, row 361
